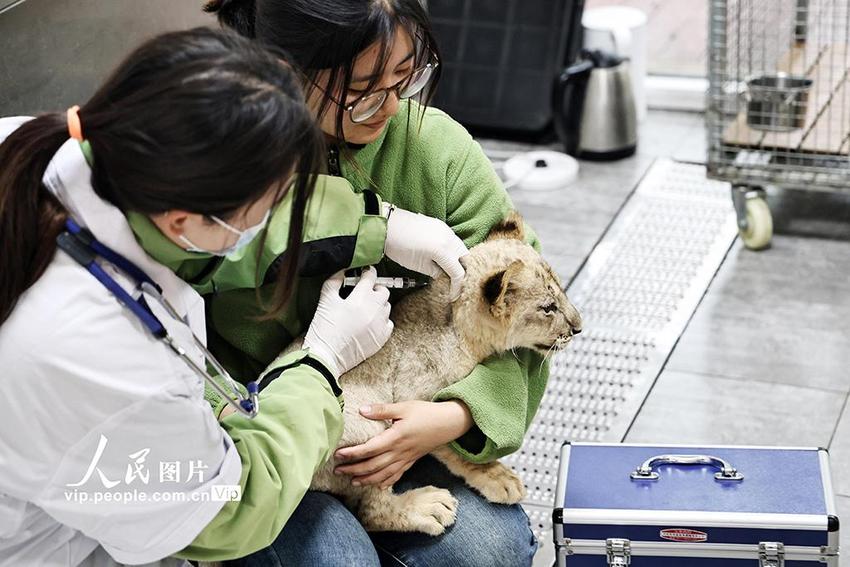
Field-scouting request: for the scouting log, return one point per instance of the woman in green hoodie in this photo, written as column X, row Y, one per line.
column 362, row 61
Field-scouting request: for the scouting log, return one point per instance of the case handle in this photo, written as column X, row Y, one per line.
column 727, row 471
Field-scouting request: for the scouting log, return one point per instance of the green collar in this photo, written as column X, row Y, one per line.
column 187, row 265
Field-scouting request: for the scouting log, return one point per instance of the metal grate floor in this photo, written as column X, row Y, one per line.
column 636, row 292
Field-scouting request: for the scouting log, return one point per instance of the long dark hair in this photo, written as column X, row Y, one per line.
column 199, row 120
column 330, row 34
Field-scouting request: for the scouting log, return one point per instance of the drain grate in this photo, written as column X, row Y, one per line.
column 636, row 292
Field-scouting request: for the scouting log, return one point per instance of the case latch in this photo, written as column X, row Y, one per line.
column 619, row 552
column 771, row 554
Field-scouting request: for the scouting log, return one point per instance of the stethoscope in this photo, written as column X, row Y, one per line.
column 84, row 248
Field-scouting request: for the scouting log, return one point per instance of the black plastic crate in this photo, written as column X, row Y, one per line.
column 501, row 59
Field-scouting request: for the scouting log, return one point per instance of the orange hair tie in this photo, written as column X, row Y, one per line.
column 75, row 128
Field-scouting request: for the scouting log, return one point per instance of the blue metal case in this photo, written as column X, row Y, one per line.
column 662, row 505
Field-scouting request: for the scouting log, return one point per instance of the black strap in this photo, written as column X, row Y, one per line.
column 308, row 361
column 373, row 207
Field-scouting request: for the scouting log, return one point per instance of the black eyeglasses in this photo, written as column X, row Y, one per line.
column 365, row 107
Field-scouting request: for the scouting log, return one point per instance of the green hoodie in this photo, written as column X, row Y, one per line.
column 437, row 169
column 434, row 167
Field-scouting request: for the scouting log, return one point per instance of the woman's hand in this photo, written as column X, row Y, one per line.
column 425, row 245
column 345, row 332
column 418, row 428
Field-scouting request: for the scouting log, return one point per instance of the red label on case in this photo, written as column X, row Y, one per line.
column 682, row 534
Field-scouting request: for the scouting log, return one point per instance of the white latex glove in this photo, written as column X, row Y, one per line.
column 345, row 332
column 425, row 245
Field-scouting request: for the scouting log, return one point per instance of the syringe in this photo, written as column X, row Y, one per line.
column 393, row 283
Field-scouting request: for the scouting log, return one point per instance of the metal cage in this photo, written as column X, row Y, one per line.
column 778, row 109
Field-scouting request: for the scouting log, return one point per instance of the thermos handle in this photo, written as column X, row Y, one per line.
column 727, row 471
column 568, row 103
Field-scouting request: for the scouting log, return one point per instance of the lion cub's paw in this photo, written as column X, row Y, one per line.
column 497, row 483
column 430, row 510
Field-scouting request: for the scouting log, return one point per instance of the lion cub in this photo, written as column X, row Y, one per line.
column 511, row 298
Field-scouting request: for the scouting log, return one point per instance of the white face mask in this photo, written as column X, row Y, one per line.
column 245, row 237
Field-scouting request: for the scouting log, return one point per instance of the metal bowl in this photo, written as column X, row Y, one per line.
column 777, row 103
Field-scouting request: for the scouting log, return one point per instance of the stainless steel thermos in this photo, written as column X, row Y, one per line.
column 594, row 104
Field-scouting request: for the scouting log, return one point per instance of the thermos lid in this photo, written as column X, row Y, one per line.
column 540, row 170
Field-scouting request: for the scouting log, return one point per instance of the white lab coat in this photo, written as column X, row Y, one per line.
column 78, row 368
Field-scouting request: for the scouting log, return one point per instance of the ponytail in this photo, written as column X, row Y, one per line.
column 30, row 216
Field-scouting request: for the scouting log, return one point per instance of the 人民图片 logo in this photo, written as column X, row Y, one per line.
column 684, row 535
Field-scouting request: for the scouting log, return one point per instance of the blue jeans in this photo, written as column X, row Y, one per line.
column 323, row 533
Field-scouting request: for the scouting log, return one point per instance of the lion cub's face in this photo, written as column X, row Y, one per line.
column 516, row 295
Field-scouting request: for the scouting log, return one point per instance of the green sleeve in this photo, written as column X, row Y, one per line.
column 476, row 198
column 342, row 229
column 476, row 201
column 491, row 392
column 296, row 430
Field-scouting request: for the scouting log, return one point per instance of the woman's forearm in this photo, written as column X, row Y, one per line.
column 458, row 417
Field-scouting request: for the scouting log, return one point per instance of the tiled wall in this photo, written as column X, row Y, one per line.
column 53, row 53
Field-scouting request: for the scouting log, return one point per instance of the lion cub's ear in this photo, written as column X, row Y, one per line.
column 511, row 227
column 498, row 287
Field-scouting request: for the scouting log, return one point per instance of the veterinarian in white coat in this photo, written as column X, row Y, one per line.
column 108, row 450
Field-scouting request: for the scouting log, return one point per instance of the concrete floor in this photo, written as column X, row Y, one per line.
column 766, row 357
